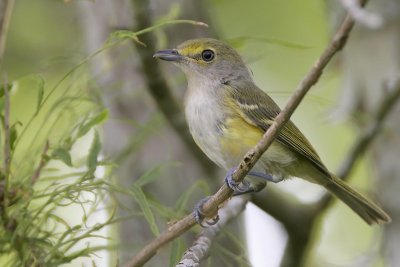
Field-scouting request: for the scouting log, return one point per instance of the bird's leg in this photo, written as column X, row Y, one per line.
column 241, row 188
column 246, row 187
column 264, row 176
column 199, row 215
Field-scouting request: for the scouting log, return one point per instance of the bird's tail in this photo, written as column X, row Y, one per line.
column 367, row 210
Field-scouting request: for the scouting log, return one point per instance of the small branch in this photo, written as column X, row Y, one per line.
column 7, row 142
column 159, row 89
column 7, row 133
column 254, row 154
column 6, row 8
column 362, row 16
column 43, row 161
column 5, row 184
column 200, row 250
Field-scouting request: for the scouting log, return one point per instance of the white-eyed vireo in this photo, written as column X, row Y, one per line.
column 228, row 114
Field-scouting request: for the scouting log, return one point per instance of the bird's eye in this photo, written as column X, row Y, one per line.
column 207, row 55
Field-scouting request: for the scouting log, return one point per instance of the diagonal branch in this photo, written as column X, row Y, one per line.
column 250, row 159
column 43, row 161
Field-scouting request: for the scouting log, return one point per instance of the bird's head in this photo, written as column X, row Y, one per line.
column 207, row 59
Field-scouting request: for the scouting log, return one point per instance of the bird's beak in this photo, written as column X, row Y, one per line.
column 168, row 55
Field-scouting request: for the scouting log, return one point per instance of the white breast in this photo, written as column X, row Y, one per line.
column 204, row 116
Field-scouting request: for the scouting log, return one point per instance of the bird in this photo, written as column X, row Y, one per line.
column 227, row 114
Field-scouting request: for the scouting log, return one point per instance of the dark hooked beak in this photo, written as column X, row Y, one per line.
column 168, row 55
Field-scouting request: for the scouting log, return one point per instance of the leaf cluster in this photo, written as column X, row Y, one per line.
column 40, row 177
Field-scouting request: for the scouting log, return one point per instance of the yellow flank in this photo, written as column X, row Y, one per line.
column 239, row 136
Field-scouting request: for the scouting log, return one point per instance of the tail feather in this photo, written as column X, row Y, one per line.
column 367, row 210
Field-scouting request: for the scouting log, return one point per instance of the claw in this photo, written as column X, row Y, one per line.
column 199, row 215
column 213, row 221
column 253, row 188
column 235, row 186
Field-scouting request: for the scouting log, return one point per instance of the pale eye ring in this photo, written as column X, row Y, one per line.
column 207, row 55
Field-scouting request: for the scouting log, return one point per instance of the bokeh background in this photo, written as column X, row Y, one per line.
column 106, row 120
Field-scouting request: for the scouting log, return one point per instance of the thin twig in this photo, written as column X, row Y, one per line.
column 5, row 187
column 362, row 16
column 7, row 132
column 254, row 154
column 5, row 17
column 44, row 159
column 200, row 249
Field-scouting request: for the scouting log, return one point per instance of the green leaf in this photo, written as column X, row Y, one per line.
column 9, row 86
column 63, row 155
column 125, row 34
column 182, row 202
column 40, row 93
column 93, row 153
column 151, row 175
column 141, row 199
column 122, row 34
column 60, row 220
column 177, row 250
column 162, row 210
column 97, row 119
column 14, row 134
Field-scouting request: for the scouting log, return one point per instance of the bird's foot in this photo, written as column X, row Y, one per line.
column 246, row 187
column 240, row 188
column 199, row 216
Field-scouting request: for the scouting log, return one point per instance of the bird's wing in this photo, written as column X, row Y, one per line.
column 258, row 109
